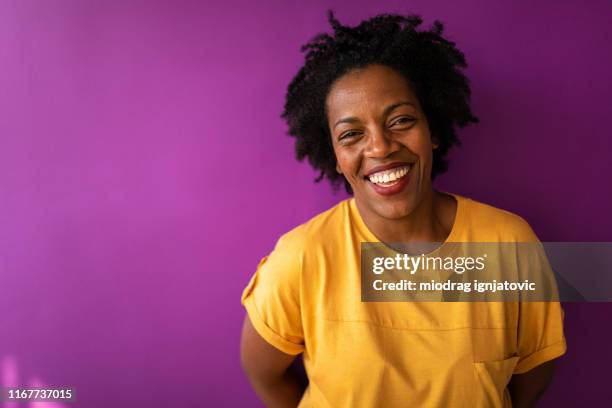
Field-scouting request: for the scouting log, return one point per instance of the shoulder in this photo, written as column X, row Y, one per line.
column 315, row 231
column 301, row 245
column 494, row 223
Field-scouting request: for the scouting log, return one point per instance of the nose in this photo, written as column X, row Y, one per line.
column 380, row 144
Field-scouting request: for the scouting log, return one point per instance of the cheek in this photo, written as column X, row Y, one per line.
column 347, row 162
column 422, row 145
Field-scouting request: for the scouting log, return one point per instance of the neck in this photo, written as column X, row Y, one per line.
column 430, row 221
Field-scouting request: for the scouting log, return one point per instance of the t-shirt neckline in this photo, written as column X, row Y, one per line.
column 370, row 237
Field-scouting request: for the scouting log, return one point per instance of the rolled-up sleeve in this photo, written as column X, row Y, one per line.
column 540, row 334
column 272, row 298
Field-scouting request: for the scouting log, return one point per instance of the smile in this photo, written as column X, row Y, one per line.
column 388, row 178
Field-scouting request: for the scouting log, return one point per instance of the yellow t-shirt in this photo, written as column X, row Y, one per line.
column 305, row 297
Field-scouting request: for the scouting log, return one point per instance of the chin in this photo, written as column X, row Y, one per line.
column 394, row 211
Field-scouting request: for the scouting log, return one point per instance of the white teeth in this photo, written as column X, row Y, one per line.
column 389, row 176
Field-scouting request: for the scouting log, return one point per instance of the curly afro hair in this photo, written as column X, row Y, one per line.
column 431, row 64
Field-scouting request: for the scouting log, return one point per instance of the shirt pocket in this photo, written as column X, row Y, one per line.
column 493, row 377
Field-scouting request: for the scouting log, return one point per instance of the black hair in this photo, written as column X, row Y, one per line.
column 431, row 64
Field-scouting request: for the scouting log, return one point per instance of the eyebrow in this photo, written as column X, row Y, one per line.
column 388, row 109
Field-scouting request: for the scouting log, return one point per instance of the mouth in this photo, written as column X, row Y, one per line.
column 389, row 177
column 390, row 180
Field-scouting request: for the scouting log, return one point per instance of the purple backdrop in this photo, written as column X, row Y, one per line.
column 144, row 171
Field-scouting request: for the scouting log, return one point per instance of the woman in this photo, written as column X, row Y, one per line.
column 376, row 107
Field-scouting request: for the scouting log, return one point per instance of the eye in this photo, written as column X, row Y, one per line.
column 403, row 120
column 349, row 134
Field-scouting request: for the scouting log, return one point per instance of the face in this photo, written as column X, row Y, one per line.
column 381, row 140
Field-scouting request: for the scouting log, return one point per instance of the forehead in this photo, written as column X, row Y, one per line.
column 366, row 89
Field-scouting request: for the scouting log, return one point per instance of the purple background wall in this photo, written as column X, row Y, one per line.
column 144, row 171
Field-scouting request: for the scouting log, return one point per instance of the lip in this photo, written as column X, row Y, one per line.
column 394, row 189
column 386, row 167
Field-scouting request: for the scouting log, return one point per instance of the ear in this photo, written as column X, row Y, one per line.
column 435, row 142
column 338, row 168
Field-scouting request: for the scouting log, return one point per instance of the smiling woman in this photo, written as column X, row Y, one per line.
column 376, row 107
column 380, row 132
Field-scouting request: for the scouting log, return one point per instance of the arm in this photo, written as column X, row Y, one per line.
column 268, row 370
column 525, row 389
